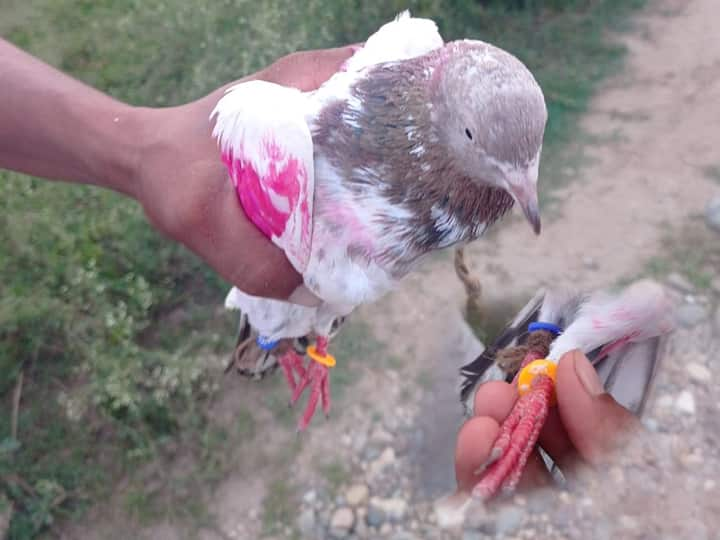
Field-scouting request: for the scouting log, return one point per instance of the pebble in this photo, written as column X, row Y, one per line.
column 508, row 520
column 715, row 284
column 375, row 516
column 689, row 315
column 357, row 494
column 651, row 424
column 341, row 522
column 680, row 283
column 393, row 509
column 709, row 484
column 698, row 372
column 685, row 403
column 384, row 460
column 403, row 535
column 306, row 523
column 309, row 496
column 712, row 213
column 385, row 529
column 381, row 436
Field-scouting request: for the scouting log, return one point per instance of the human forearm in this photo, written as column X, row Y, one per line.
column 56, row 127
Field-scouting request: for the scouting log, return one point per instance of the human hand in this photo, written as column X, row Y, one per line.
column 183, row 185
column 586, row 426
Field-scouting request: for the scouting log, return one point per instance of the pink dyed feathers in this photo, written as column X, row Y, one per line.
column 267, row 148
column 276, row 201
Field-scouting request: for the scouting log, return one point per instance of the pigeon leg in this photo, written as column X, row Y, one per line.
column 317, row 377
column 292, row 363
column 518, row 433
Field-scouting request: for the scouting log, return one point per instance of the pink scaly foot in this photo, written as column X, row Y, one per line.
column 517, row 437
column 292, row 364
column 317, row 377
column 516, row 440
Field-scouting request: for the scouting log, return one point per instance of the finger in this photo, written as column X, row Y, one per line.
column 494, row 399
column 472, row 450
column 595, row 423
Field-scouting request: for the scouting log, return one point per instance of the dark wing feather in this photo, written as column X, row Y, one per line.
column 629, row 372
column 514, row 333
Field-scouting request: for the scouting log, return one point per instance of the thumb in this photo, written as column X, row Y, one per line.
column 596, row 424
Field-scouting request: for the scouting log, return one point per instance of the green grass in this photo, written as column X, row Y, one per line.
column 100, row 312
column 279, row 507
column 336, row 474
column 693, row 252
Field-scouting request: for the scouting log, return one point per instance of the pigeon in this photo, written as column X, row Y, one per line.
column 414, row 146
column 622, row 333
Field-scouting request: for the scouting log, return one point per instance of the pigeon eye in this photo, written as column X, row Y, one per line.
column 468, row 133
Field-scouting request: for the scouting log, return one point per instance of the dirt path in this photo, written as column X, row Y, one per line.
column 656, row 128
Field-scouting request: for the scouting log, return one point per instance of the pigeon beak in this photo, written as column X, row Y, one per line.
column 526, row 197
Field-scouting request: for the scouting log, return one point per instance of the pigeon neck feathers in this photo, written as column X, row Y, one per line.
column 384, row 142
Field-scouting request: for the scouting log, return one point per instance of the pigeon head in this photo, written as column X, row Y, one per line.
column 491, row 113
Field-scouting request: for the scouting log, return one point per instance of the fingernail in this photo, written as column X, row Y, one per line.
column 304, row 297
column 587, row 375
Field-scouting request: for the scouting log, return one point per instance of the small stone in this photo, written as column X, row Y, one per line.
column 341, row 522
column 309, row 497
column 689, row 315
column 253, row 513
column 370, row 453
column 651, row 424
column 698, row 372
column 385, row 529
column 680, row 283
column 508, row 520
column 345, row 439
column 306, row 523
column 393, row 509
column 361, row 529
column 685, row 403
column 715, row 284
column 403, row 535
column 384, row 460
column 449, row 512
column 375, row 516
column 709, row 484
column 380, row 436
column 712, row 213
column 471, row 535
column 357, row 494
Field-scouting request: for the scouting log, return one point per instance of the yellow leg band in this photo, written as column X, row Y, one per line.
column 327, row 360
column 534, row 368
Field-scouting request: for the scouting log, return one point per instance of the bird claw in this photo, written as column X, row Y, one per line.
column 292, row 364
column 515, row 441
column 316, row 376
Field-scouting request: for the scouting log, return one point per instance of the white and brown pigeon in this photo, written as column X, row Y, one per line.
column 414, row 146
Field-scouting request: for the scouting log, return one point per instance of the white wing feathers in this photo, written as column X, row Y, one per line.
column 403, row 38
column 640, row 312
column 267, row 147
